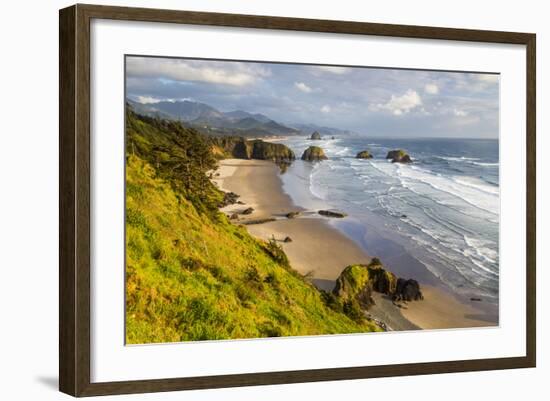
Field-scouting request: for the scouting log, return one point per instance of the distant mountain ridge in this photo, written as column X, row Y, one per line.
column 307, row 129
column 209, row 120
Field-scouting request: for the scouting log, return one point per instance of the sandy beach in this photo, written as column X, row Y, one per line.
column 321, row 252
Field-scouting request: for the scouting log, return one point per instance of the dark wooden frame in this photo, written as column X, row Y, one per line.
column 74, row 199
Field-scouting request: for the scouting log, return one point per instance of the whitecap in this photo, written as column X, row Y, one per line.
column 458, row 159
column 483, row 200
column 486, row 164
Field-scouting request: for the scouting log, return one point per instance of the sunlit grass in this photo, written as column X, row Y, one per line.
column 192, row 275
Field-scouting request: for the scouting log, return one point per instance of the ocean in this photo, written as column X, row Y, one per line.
column 441, row 212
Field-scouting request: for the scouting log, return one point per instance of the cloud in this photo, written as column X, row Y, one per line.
column 147, row 100
column 234, row 73
column 326, row 108
column 460, row 113
column 467, row 121
column 399, row 105
column 332, row 70
column 303, row 87
column 431, row 89
column 488, row 78
column 154, row 100
column 475, row 83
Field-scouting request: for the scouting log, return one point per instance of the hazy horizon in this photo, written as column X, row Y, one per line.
column 375, row 102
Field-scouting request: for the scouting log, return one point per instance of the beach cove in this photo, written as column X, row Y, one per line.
column 320, row 251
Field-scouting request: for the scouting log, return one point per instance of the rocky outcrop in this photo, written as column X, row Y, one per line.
column 346, row 291
column 316, row 136
column 332, row 213
column 240, row 148
column 231, row 146
column 292, row 215
column 365, row 154
column 407, row 290
column 276, row 152
column 248, row 210
column 357, row 283
column 314, row 153
column 398, row 156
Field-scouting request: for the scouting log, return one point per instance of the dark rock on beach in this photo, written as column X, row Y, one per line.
column 398, row 156
column 287, row 240
column 229, row 198
column 407, row 290
column 330, row 213
column 248, row 210
column 365, row 154
column 292, row 215
column 314, row 153
column 259, row 221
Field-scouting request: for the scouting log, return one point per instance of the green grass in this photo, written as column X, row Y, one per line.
column 190, row 273
column 189, row 278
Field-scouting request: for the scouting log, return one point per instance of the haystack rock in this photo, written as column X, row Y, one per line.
column 398, row 156
column 314, row 153
column 315, row 135
column 365, row 154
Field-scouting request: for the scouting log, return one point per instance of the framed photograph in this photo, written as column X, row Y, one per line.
column 249, row 200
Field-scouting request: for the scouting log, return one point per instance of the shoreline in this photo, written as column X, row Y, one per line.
column 314, row 239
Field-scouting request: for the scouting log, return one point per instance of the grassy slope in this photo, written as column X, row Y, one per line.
column 192, row 275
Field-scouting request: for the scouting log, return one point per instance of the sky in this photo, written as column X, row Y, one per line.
column 370, row 101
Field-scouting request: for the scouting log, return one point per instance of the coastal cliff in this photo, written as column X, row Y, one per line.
column 190, row 273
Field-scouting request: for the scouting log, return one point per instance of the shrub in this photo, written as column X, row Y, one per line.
column 276, row 252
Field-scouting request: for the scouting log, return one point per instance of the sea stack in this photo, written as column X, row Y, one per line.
column 398, row 156
column 365, row 154
column 316, row 135
column 314, row 153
